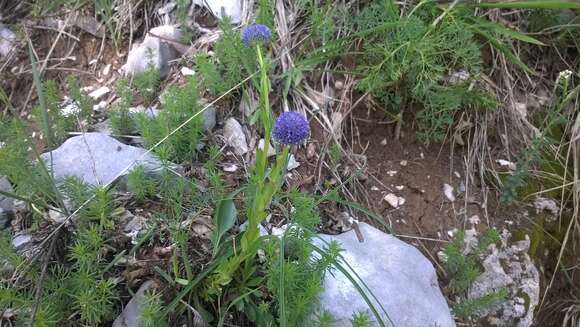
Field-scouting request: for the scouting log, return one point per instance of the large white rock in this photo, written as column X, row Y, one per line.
column 97, row 159
column 231, row 8
column 399, row 276
column 156, row 49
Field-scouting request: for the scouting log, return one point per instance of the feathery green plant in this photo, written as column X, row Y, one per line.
column 122, row 122
column 180, row 103
column 141, row 184
column 294, row 278
column 426, row 57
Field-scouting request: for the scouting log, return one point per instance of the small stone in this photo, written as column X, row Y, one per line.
column 400, row 187
column 403, row 163
column 150, row 112
column 311, row 151
column 186, row 71
column 374, row 188
column 474, row 220
column 459, row 76
column 448, row 191
column 208, row 118
column 394, row 201
column 99, row 93
column 339, row 85
column 292, row 163
column 504, row 163
column 20, row 241
column 384, row 142
column 230, row 168
column 134, row 226
column 392, row 173
column 544, row 204
column 56, row 216
column 155, row 51
column 271, row 149
column 235, row 137
column 452, row 232
column 106, row 70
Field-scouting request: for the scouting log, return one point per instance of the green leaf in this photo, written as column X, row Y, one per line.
column 224, row 220
column 500, row 29
column 504, row 49
column 532, row 4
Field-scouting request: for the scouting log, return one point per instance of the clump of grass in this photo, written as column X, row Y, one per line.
column 463, row 270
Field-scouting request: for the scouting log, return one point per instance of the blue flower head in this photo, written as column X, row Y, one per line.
column 256, row 33
column 291, row 128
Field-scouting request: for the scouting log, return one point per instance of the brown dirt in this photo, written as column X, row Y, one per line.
column 416, row 172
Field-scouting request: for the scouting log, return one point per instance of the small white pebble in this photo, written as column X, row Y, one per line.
column 384, row 142
column 400, row 187
column 107, row 70
column 448, row 191
column 394, row 201
column 185, row 71
column 100, row 92
column 452, row 232
column 391, row 173
column 403, row 163
column 374, row 188
column 230, row 168
column 422, row 155
column 474, row 220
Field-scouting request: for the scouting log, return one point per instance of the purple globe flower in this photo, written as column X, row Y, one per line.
column 256, row 33
column 291, row 128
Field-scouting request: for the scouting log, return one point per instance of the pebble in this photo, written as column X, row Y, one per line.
column 394, row 201
column 235, row 137
column 185, row 71
column 448, row 191
column 292, row 163
column 100, row 92
column 230, row 168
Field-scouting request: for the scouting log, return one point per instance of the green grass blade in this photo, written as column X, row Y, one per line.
column 505, row 50
column 532, row 4
column 224, row 219
column 41, row 96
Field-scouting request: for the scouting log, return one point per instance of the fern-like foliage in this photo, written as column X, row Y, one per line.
column 407, row 59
